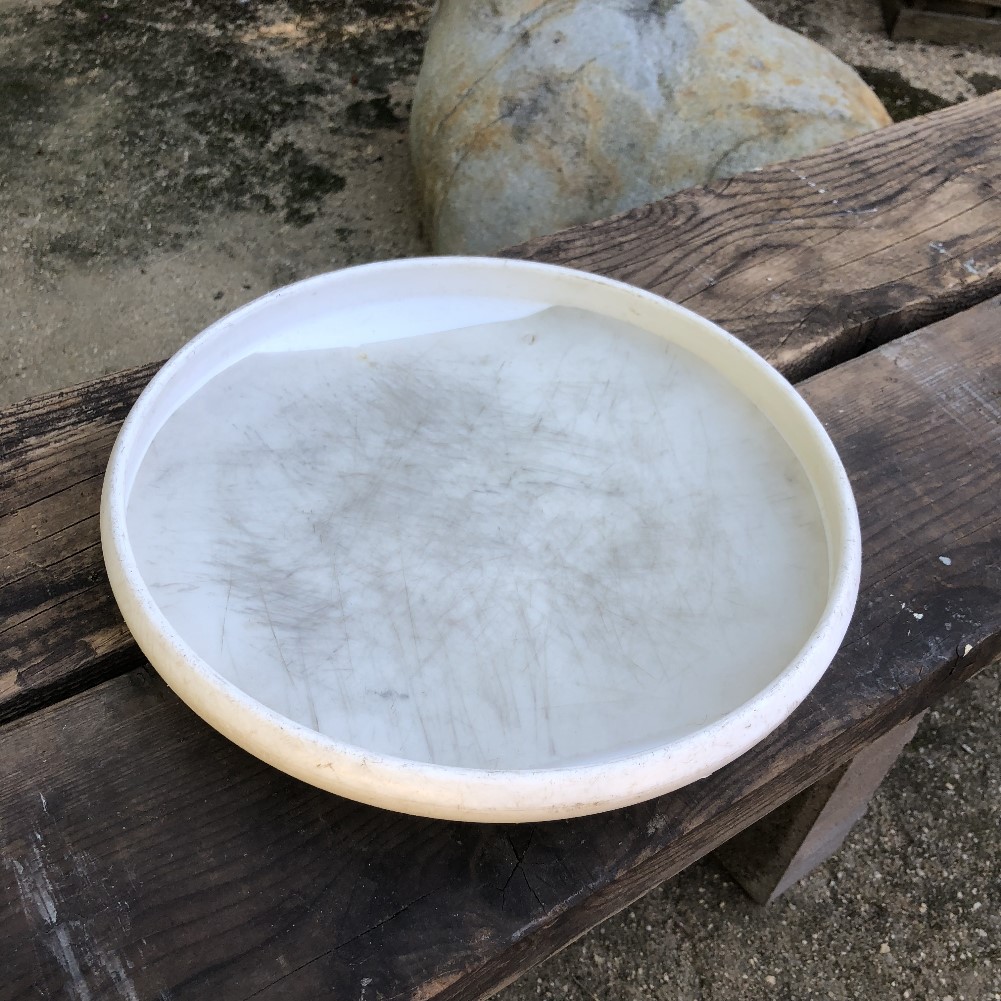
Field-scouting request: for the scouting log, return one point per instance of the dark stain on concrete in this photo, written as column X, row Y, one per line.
column 373, row 113
column 305, row 184
column 24, row 98
column 984, row 83
column 902, row 99
column 146, row 117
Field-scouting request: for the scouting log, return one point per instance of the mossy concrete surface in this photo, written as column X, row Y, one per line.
column 163, row 162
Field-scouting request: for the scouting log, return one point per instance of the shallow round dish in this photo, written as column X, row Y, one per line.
column 480, row 539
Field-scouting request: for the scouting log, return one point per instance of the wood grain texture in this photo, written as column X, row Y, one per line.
column 809, row 262
column 813, row 261
column 145, row 856
column 958, row 23
column 60, row 630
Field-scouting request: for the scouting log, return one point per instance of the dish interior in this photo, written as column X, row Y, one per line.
column 538, row 542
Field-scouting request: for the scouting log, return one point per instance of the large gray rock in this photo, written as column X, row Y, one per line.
column 534, row 115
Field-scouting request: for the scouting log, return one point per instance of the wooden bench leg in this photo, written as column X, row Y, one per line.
column 793, row 840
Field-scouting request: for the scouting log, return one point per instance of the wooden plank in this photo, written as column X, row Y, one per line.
column 59, row 627
column 815, row 260
column 947, row 29
column 788, row 844
column 976, row 24
column 975, row 8
column 146, row 856
column 808, row 262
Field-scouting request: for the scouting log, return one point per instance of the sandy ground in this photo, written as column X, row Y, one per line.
column 163, row 162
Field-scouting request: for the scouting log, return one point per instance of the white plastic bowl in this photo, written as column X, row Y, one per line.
column 480, row 539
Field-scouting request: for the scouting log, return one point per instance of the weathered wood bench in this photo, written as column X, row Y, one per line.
column 144, row 856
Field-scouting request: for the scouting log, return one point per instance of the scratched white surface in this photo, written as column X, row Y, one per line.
column 539, row 542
